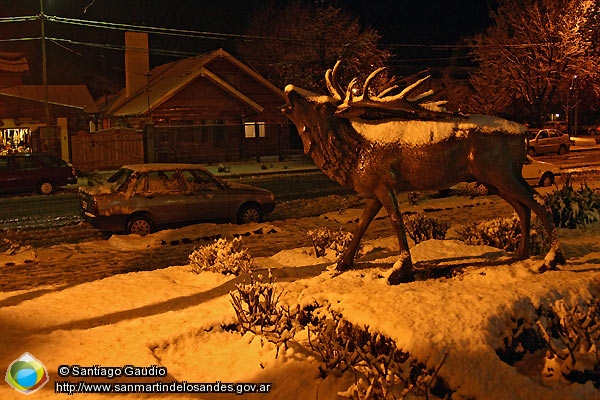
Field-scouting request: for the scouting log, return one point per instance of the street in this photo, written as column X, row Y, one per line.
column 51, row 225
column 46, row 220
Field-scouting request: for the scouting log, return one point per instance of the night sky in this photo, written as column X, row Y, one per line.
column 409, row 28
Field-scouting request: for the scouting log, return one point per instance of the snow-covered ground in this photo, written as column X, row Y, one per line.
column 172, row 318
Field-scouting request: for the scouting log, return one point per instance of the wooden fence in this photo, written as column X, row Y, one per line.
column 106, row 149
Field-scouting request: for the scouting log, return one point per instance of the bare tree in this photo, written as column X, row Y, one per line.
column 299, row 42
column 530, row 56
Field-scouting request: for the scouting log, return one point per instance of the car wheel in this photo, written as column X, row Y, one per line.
column 547, row 179
column 562, row 150
column 45, row 187
column 531, row 152
column 139, row 225
column 249, row 213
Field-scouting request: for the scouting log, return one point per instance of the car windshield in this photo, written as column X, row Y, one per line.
column 120, row 177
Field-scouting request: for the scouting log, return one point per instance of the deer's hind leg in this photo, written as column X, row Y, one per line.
column 371, row 209
column 520, row 191
column 524, row 214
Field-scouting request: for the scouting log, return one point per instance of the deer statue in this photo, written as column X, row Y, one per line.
column 384, row 144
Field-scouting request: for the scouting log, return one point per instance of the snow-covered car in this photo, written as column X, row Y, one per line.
column 541, row 141
column 539, row 173
column 140, row 198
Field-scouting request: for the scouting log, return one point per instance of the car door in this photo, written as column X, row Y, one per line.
column 6, row 174
column 554, row 139
column 26, row 173
column 208, row 198
column 542, row 145
column 164, row 196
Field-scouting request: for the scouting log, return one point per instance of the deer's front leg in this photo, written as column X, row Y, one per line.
column 403, row 269
column 371, row 209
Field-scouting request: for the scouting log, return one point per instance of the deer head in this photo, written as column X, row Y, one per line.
column 313, row 115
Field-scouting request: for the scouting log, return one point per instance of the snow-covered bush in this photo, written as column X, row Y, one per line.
column 503, row 233
column 257, row 308
column 475, row 190
column 471, row 189
column 572, row 337
column 324, row 239
column 561, row 344
column 10, row 247
column 222, row 256
column 573, row 208
column 381, row 370
column 419, row 227
column 413, row 198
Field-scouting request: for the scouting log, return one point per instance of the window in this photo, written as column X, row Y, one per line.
column 24, row 163
column 198, row 180
column 249, row 130
column 4, row 164
column 255, row 129
column 162, row 181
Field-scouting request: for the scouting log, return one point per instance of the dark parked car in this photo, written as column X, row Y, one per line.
column 139, row 198
column 22, row 172
column 547, row 141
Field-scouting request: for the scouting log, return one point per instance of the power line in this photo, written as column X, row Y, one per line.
column 224, row 36
column 19, row 19
column 20, row 39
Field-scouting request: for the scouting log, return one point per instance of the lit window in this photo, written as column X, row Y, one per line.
column 255, row 129
column 249, row 130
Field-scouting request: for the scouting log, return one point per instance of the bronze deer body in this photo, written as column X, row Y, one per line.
column 382, row 145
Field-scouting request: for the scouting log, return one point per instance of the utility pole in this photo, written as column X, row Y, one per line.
column 44, row 71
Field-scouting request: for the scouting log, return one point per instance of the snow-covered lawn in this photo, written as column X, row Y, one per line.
column 172, row 318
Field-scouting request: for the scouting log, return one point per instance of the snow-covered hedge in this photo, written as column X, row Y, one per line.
column 222, row 256
column 574, row 208
column 561, row 345
column 381, row 370
column 324, row 239
column 503, row 233
column 419, row 227
column 257, row 308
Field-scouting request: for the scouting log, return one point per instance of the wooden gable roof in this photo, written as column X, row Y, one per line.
column 166, row 81
column 17, row 107
column 13, row 62
column 70, row 96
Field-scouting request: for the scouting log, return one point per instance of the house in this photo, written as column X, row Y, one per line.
column 205, row 109
column 23, row 116
column 12, row 68
column 26, row 109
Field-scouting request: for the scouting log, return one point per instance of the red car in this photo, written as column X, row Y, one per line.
column 23, row 172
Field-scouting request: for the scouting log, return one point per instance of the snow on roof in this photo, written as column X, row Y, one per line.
column 418, row 132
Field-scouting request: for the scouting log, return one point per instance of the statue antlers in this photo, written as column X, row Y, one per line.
column 383, row 105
